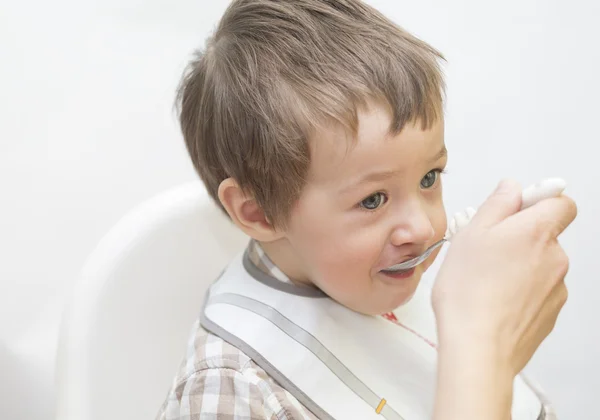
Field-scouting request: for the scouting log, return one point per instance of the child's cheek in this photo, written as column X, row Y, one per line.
column 440, row 231
column 340, row 272
column 431, row 259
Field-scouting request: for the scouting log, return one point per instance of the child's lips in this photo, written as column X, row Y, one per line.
column 399, row 275
column 403, row 259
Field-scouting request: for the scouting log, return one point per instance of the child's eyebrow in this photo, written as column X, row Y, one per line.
column 379, row 176
column 441, row 154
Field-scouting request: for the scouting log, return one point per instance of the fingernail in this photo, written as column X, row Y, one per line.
column 503, row 186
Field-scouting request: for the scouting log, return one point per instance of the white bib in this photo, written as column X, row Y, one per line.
column 338, row 363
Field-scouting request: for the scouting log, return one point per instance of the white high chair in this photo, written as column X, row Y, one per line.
column 125, row 331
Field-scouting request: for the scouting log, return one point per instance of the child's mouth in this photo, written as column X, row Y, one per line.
column 399, row 274
column 395, row 271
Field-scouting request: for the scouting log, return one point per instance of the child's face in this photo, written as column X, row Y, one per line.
column 367, row 207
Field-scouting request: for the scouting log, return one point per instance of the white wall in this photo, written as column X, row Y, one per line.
column 87, row 131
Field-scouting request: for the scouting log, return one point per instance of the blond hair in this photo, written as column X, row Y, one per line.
column 274, row 71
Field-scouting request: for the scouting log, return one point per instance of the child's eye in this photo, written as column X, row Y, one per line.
column 430, row 178
column 374, row 201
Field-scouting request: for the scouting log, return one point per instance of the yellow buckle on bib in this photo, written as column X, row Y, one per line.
column 380, row 406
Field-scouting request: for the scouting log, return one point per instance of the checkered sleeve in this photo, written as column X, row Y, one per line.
column 228, row 394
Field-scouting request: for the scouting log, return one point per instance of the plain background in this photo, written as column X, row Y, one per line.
column 87, row 131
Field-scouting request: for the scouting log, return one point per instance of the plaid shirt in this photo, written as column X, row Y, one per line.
column 217, row 381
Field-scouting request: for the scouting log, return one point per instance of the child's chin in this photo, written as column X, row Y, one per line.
column 395, row 304
column 408, row 293
column 406, row 299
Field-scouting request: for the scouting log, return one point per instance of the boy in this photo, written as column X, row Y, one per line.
column 317, row 126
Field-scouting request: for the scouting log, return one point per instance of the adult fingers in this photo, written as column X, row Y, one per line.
column 550, row 216
column 504, row 202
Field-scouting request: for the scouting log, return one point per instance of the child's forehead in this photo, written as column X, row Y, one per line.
column 337, row 153
column 337, row 141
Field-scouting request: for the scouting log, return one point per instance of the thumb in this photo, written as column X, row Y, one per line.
column 503, row 202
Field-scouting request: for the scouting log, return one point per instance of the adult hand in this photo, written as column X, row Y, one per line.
column 501, row 287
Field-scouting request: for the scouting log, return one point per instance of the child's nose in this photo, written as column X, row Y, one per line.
column 413, row 226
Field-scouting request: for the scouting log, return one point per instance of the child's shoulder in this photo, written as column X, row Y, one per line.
column 216, row 378
column 206, row 351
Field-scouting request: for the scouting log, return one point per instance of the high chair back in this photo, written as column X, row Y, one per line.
column 125, row 330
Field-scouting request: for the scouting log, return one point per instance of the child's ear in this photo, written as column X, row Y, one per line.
column 246, row 213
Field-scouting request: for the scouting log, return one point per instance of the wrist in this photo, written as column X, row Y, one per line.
column 475, row 381
column 479, row 341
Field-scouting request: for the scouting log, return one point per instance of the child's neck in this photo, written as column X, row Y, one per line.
column 281, row 254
